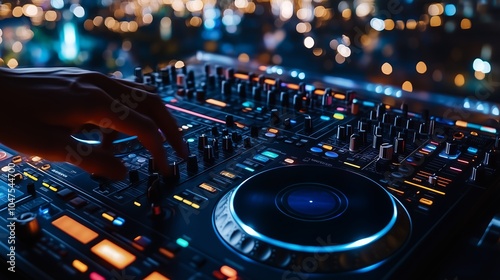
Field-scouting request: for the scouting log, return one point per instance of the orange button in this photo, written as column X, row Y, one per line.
column 113, row 254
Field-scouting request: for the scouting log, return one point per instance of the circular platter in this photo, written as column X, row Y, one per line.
column 326, row 219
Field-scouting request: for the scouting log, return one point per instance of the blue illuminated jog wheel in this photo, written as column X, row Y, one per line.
column 285, row 215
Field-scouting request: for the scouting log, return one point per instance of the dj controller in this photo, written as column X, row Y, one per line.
column 288, row 176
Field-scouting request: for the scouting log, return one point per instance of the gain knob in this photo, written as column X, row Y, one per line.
column 354, row 142
column 27, row 227
column 227, row 144
column 192, row 163
column 208, row 154
column 308, row 124
column 451, row 148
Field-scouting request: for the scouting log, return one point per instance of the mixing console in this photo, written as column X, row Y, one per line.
column 287, row 178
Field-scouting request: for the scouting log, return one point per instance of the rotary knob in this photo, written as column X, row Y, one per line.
column 451, row 148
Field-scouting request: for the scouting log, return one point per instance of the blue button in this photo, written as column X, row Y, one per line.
column 316, row 150
column 270, row 154
column 118, row 221
column 472, row 150
column 261, row 158
column 331, row 154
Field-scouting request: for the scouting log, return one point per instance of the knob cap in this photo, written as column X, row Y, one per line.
column 451, row 148
column 341, row 134
column 208, row 153
column 27, row 227
column 354, row 142
column 386, row 151
column 192, row 163
column 227, row 144
column 308, row 124
column 229, row 121
column 202, row 141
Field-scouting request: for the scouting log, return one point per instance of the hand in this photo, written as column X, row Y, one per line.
column 43, row 107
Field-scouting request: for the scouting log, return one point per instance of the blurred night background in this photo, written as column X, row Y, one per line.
column 450, row 47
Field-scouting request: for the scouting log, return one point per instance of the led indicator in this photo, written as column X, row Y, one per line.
column 182, row 242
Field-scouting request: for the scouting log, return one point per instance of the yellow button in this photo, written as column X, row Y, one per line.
column 75, row 229
column 80, row 266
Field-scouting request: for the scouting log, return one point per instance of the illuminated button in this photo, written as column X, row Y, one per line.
column 108, row 216
column 472, row 150
column 327, row 147
column 113, row 254
column 215, row 102
column 188, row 202
column 316, row 150
column 431, row 147
column 289, row 160
column 195, row 206
column 141, row 242
column 325, row 118
column 273, row 130
column 138, row 204
column 228, row 271
column 182, row 242
column 247, row 168
column 75, row 229
column 96, row 276
column 270, row 154
column 156, row 276
column 36, row 158
column 207, row 187
column 261, row 158
column 80, row 266
column 331, row 154
column 177, row 197
column 338, row 116
column 45, row 166
column 17, row 159
column 119, row 222
column 426, row 201
column 270, row 135
column 227, row 174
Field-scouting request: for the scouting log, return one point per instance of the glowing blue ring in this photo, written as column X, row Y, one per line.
column 307, row 248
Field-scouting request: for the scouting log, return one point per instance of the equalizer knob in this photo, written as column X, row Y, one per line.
column 192, row 163
column 227, row 144
column 229, row 121
column 202, row 141
column 451, row 148
column 175, row 174
column 208, row 154
column 341, row 134
column 297, row 102
column 354, row 142
column 27, row 227
column 477, row 174
column 226, row 88
column 139, row 78
column 489, row 159
column 399, row 145
column 308, row 124
column 284, row 99
column 386, row 151
column 275, row 117
column 242, row 92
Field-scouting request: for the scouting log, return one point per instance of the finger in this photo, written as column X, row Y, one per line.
column 152, row 106
column 131, row 122
column 55, row 144
column 107, row 140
